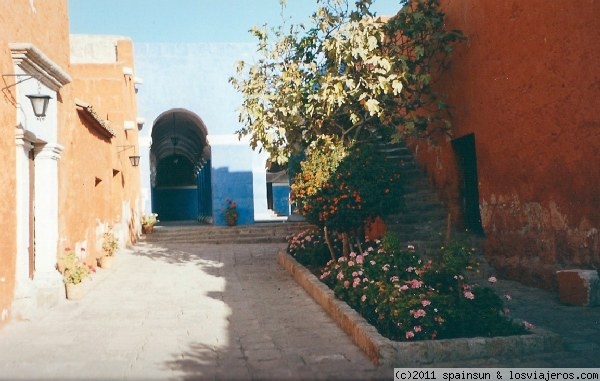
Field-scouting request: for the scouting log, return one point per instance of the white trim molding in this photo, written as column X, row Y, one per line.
column 33, row 62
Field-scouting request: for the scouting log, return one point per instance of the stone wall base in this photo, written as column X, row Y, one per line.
column 579, row 287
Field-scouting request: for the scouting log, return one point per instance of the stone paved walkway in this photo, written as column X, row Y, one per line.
column 186, row 312
column 218, row 312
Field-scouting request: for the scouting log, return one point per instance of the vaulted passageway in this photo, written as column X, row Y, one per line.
column 180, row 167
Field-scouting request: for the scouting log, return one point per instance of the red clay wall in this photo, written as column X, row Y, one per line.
column 98, row 181
column 527, row 84
column 45, row 24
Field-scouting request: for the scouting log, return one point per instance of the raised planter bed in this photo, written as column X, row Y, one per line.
column 383, row 351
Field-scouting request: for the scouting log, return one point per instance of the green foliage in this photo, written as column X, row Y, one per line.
column 407, row 298
column 322, row 159
column 149, row 219
column 342, row 192
column 348, row 75
column 110, row 243
column 310, row 249
column 73, row 269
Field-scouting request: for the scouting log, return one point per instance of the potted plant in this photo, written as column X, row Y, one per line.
column 74, row 273
column 110, row 244
column 148, row 222
column 231, row 213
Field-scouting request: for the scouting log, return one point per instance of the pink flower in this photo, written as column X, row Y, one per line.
column 363, row 298
column 414, row 283
column 527, row 325
column 353, row 255
column 425, row 303
column 342, row 259
column 308, row 238
column 506, row 311
column 346, row 283
column 409, row 335
column 404, row 288
column 340, row 275
column 350, row 263
column 492, row 279
column 418, row 313
column 359, row 259
column 356, row 282
column 417, row 328
column 469, row 295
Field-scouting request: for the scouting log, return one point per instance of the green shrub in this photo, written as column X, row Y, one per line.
column 407, row 298
column 309, row 248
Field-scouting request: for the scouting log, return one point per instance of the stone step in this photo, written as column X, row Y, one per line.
column 258, row 233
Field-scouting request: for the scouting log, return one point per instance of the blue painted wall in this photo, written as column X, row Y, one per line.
column 195, row 77
column 281, row 199
column 232, row 178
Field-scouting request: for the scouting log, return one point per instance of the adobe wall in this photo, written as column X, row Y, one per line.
column 526, row 83
column 95, row 170
column 45, row 24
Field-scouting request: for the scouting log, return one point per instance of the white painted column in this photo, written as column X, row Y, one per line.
column 46, row 218
column 22, row 281
column 259, row 186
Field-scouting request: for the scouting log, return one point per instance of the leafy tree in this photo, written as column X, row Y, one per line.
column 349, row 75
column 339, row 188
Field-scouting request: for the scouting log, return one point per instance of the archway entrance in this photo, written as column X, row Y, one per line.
column 180, row 167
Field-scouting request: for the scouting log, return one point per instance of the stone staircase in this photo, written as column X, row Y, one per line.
column 266, row 232
column 423, row 219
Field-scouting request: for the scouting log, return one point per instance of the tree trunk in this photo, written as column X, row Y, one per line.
column 331, row 251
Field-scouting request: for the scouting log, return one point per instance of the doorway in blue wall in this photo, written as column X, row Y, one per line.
column 180, row 167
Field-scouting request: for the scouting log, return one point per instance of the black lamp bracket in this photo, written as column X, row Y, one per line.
column 29, row 76
column 124, row 148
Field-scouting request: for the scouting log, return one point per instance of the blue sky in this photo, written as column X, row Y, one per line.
column 190, row 20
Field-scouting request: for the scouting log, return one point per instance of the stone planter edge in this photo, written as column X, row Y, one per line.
column 383, row 351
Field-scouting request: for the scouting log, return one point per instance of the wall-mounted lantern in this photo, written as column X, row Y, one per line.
column 39, row 102
column 134, row 159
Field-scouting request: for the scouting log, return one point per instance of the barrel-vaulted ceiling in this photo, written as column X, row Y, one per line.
column 179, row 132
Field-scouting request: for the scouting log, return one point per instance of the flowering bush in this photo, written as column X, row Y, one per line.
column 73, row 269
column 340, row 188
column 408, row 298
column 343, row 191
column 110, row 243
column 309, row 248
column 230, row 212
column 150, row 219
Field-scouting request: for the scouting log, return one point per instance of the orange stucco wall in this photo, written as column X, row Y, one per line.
column 34, row 22
column 86, row 206
column 99, row 187
column 527, row 84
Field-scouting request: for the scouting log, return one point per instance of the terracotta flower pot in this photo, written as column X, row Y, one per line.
column 147, row 229
column 231, row 221
column 105, row 261
column 375, row 229
column 75, row 291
